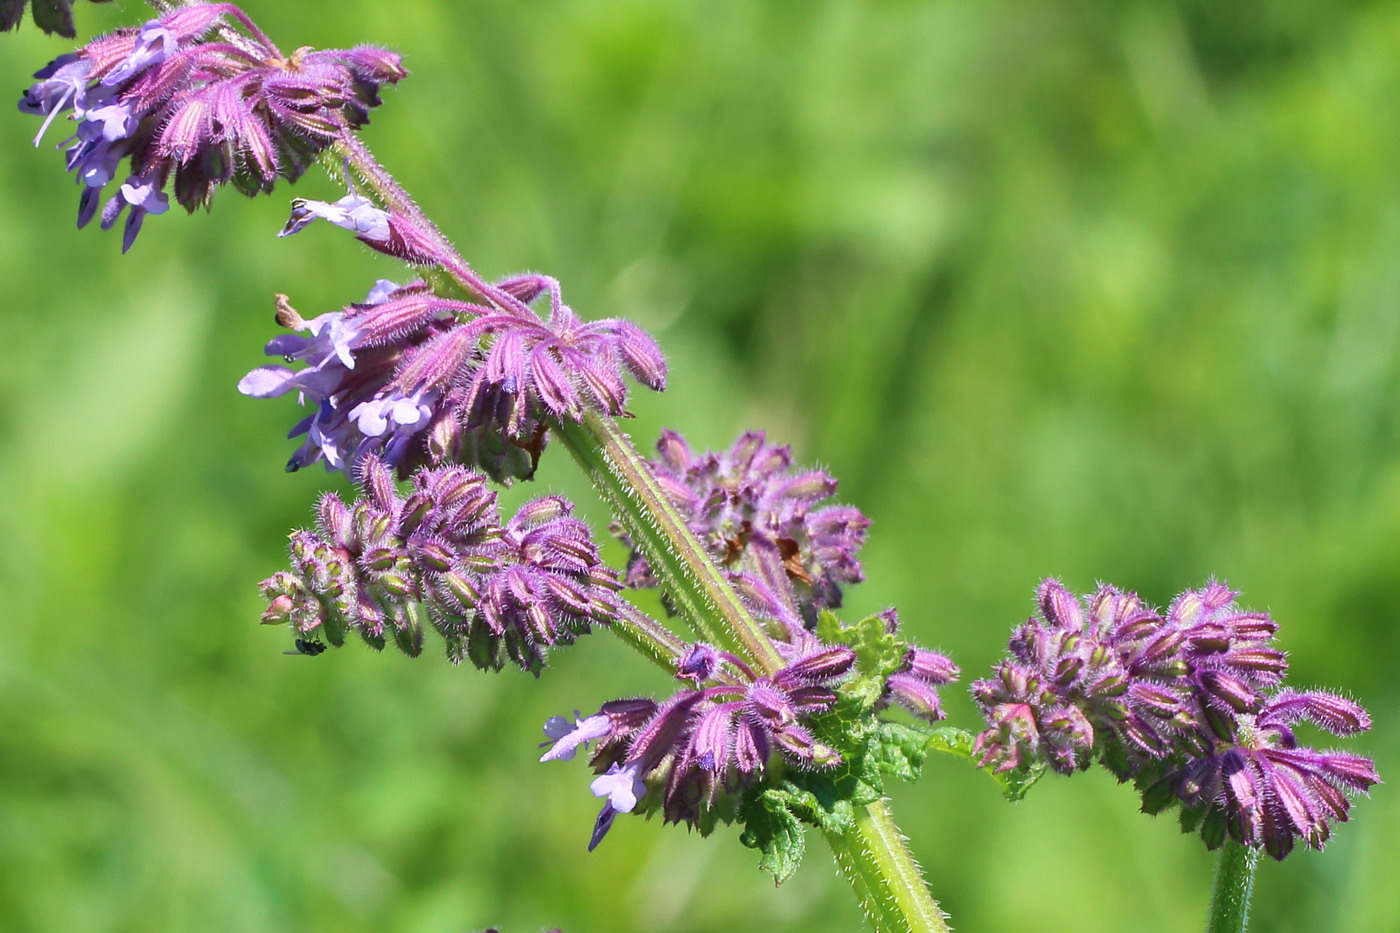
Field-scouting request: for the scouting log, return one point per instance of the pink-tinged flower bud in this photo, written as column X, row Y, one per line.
column 1059, row 608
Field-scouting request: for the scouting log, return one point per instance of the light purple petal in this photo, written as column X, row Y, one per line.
column 267, row 382
column 623, row 786
column 573, row 735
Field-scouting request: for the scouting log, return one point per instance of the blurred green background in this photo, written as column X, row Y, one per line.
column 1100, row 291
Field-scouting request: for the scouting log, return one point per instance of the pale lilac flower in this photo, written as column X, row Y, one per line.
column 565, row 738
column 622, row 785
column 387, row 232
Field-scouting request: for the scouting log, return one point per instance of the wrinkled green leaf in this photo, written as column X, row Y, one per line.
column 898, row 750
column 878, row 654
column 772, row 829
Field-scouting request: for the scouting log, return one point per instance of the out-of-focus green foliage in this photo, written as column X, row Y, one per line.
column 1101, row 291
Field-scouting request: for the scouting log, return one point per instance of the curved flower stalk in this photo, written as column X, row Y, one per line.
column 196, row 99
column 1187, row 705
column 494, row 591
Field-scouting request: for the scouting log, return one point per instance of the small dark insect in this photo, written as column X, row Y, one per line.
column 308, row 646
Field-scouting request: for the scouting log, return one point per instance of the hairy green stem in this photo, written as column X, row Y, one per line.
column 873, row 857
column 693, row 581
column 653, row 640
column 1234, row 883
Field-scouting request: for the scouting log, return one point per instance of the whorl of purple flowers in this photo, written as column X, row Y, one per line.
column 417, row 379
column 196, row 99
column 1186, row 705
column 702, row 746
column 758, row 516
column 494, row 591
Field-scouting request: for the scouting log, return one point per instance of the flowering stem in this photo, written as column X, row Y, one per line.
column 693, row 581
column 873, row 857
column 655, row 642
column 1234, row 883
column 452, row 275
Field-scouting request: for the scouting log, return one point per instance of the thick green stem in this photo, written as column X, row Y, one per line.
column 873, row 857
column 1234, row 883
column 696, row 585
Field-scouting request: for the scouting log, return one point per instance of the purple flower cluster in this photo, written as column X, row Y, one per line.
column 703, row 745
column 1186, row 705
column 52, row 16
column 493, row 591
column 759, row 517
column 417, row 379
column 196, row 99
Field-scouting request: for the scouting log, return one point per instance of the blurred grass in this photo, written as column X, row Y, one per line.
column 1103, row 291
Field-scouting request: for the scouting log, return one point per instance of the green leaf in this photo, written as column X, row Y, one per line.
column 1014, row 783
column 772, row 829
column 898, row 750
column 878, row 655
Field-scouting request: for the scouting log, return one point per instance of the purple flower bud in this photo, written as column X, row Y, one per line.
column 698, row 664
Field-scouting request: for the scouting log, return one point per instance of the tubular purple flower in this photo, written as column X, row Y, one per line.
column 196, row 99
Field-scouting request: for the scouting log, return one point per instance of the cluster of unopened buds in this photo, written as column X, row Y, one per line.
column 450, row 382
column 1188, row 705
